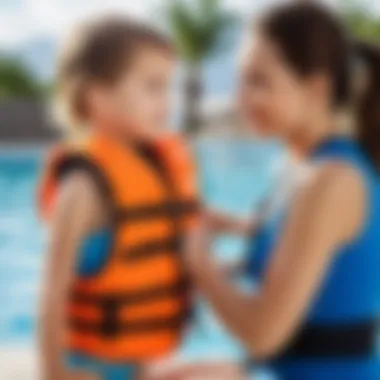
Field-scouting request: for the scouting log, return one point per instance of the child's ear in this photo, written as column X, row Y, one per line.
column 97, row 98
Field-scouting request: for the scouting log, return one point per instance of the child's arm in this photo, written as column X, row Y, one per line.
column 76, row 214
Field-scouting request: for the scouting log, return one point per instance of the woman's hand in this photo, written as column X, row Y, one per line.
column 211, row 223
column 224, row 223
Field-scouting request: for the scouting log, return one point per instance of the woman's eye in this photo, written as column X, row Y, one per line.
column 256, row 80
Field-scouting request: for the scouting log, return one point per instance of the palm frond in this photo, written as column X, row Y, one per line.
column 197, row 27
column 360, row 20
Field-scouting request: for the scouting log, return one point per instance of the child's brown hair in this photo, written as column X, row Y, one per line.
column 98, row 51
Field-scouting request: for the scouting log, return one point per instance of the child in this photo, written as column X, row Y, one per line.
column 118, row 203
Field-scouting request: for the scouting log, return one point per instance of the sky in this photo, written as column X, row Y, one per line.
column 23, row 20
column 32, row 30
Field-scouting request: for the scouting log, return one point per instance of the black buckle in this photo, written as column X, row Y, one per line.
column 110, row 324
column 172, row 209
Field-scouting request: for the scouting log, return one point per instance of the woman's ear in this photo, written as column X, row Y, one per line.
column 320, row 88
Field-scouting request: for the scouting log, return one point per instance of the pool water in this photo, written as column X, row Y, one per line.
column 234, row 176
column 21, row 245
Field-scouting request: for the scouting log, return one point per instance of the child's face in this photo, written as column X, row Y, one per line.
column 138, row 105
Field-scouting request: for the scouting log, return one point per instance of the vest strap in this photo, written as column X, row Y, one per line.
column 146, row 250
column 111, row 326
column 169, row 209
column 131, row 298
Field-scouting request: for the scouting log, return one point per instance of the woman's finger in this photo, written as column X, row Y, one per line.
column 197, row 245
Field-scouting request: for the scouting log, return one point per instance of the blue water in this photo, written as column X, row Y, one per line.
column 21, row 242
column 233, row 176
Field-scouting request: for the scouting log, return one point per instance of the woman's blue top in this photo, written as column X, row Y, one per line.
column 350, row 293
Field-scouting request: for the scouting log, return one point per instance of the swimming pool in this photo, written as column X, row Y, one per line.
column 234, row 176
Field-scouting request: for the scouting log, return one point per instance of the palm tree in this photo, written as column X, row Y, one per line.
column 361, row 20
column 197, row 27
column 17, row 81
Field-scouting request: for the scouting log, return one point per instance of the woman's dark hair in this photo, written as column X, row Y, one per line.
column 99, row 51
column 312, row 39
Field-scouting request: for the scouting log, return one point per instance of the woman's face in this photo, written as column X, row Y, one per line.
column 273, row 99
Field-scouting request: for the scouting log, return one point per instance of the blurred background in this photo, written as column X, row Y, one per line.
column 208, row 35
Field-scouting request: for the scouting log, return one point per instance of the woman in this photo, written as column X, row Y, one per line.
column 314, row 314
column 209, row 351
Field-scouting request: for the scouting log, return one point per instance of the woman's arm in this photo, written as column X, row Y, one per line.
column 329, row 212
column 76, row 215
column 225, row 223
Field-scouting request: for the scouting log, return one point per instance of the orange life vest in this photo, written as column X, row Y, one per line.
column 135, row 308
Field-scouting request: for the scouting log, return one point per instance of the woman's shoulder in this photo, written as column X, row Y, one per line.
column 337, row 191
column 339, row 176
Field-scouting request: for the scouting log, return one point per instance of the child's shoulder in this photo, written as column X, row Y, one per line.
column 73, row 185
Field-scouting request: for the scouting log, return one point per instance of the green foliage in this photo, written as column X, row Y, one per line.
column 17, row 81
column 360, row 18
column 197, row 27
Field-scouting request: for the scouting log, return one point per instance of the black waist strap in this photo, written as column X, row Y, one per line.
column 334, row 341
